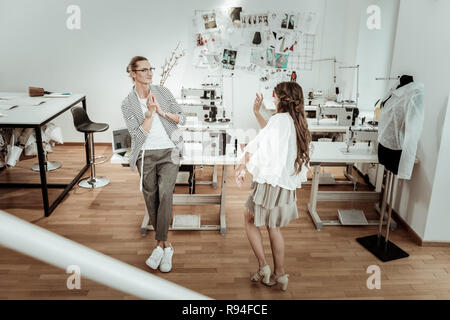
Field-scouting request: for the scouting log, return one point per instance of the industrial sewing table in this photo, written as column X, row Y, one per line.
column 35, row 117
column 331, row 126
column 191, row 127
column 201, row 199
column 325, row 126
column 333, row 154
column 328, row 153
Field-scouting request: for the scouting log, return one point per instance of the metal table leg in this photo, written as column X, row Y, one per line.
column 383, row 204
column 214, row 179
column 42, row 169
column 317, row 195
column 222, row 201
column 312, row 205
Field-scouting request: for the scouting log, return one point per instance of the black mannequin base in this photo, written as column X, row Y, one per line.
column 389, row 253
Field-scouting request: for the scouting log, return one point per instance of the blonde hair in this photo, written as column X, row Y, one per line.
column 133, row 64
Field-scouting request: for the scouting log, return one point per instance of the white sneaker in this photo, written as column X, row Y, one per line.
column 155, row 259
column 166, row 262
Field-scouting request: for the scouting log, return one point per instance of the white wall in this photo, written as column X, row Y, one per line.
column 374, row 53
column 41, row 51
column 422, row 49
column 438, row 222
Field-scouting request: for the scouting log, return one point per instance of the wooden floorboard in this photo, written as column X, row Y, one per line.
column 326, row 264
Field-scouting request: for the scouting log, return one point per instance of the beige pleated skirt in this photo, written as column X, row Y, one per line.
column 272, row 206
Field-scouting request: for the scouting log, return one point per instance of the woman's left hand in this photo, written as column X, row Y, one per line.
column 240, row 176
column 158, row 107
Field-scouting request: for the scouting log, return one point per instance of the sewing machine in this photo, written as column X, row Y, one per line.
column 209, row 98
column 345, row 114
column 200, row 144
column 364, row 133
column 314, row 99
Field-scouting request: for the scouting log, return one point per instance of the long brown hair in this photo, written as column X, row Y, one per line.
column 291, row 99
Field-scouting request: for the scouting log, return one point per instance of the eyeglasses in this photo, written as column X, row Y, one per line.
column 145, row 70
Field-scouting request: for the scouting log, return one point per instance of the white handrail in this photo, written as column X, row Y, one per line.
column 56, row 250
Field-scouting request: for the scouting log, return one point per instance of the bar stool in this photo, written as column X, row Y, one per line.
column 84, row 124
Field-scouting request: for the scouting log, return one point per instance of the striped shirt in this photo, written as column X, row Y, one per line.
column 133, row 116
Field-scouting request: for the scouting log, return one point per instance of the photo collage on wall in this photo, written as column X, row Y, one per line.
column 233, row 39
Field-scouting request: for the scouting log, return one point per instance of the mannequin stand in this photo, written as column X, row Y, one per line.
column 378, row 245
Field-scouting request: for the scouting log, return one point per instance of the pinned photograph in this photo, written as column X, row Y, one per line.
column 281, row 60
column 244, row 21
column 229, row 59
column 210, row 20
column 285, row 41
column 292, row 47
column 200, row 41
column 235, row 15
column 284, row 21
column 270, row 57
column 281, row 42
column 291, row 23
column 257, row 38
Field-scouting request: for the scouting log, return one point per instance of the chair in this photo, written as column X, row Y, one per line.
column 84, row 124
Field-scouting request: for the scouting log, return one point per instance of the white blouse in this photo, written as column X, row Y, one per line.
column 157, row 137
column 273, row 153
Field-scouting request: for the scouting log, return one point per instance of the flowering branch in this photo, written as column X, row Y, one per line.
column 168, row 65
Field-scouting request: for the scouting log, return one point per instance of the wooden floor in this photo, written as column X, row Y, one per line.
column 327, row 264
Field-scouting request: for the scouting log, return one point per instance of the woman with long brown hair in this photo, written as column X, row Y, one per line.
column 278, row 160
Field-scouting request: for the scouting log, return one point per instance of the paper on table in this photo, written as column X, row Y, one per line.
column 20, row 101
column 58, row 95
column 7, row 106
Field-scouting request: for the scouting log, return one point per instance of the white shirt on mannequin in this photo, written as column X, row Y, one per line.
column 400, row 124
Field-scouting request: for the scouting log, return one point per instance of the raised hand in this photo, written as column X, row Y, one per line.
column 152, row 104
column 257, row 104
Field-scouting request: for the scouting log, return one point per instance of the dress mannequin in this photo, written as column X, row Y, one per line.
column 399, row 131
column 388, row 157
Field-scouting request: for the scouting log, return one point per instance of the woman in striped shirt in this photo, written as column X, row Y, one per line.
column 152, row 116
